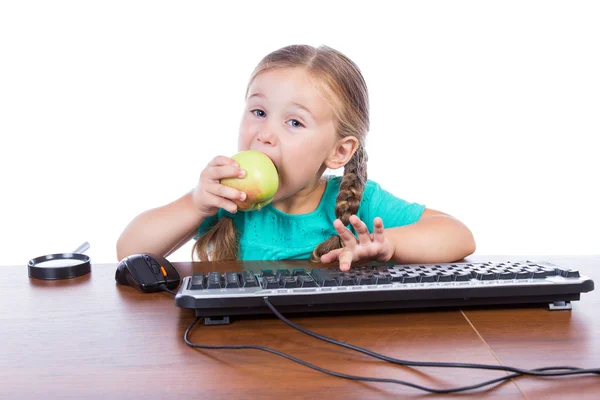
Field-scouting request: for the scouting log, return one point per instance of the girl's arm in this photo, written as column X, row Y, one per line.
column 161, row 230
column 435, row 238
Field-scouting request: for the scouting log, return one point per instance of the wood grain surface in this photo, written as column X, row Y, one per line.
column 91, row 338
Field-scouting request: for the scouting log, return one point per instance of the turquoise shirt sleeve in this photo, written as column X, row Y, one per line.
column 394, row 211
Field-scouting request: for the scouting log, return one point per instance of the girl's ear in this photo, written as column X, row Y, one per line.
column 342, row 152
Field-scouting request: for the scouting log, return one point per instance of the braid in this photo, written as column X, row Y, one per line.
column 348, row 199
column 224, row 239
column 352, row 186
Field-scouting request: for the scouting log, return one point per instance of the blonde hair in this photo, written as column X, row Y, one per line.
column 342, row 84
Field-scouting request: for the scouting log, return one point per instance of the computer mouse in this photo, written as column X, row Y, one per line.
column 147, row 273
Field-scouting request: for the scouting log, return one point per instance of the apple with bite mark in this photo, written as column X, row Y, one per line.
column 260, row 182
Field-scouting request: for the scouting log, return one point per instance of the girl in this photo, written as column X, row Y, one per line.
column 308, row 110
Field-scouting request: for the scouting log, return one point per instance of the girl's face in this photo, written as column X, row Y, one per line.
column 287, row 119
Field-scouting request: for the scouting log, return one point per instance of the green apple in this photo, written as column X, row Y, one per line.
column 260, row 182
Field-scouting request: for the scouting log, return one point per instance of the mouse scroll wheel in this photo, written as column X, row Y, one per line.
column 158, row 269
column 155, row 269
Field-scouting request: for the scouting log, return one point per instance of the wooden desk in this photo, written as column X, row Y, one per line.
column 90, row 338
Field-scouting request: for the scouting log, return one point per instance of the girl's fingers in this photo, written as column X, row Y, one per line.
column 223, row 172
column 221, row 202
column 345, row 259
column 226, row 192
column 331, row 256
column 378, row 230
column 364, row 238
column 221, row 160
column 344, row 234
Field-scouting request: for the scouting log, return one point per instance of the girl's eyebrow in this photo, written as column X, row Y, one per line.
column 300, row 106
column 256, row 95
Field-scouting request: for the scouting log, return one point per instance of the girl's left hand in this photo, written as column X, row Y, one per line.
column 373, row 247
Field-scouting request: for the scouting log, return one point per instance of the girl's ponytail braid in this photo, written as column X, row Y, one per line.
column 348, row 199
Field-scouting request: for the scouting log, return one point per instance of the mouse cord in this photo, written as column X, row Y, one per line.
column 166, row 289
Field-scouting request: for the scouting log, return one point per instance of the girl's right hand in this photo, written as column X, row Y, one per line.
column 209, row 195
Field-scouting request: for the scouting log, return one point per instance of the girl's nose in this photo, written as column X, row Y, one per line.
column 266, row 136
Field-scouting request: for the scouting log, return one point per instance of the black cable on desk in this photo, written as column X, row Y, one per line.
column 334, row 373
column 518, row 371
column 553, row 371
column 166, row 289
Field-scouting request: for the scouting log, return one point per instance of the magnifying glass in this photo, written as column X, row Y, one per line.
column 60, row 265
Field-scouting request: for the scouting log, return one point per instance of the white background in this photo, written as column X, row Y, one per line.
column 489, row 111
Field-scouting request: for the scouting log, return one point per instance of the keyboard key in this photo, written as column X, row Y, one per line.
column 288, row 282
column 429, row 277
column 232, row 280
column 411, row 278
column 477, row 272
column 318, row 272
column 249, row 280
column 505, row 275
column 570, row 274
column 213, row 281
column 281, row 273
column 363, row 280
column 463, row 277
column 269, row 282
column 345, row 281
column 197, row 281
column 531, row 264
column 381, row 279
column 551, row 271
column 540, row 275
column 299, row 271
column 266, row 272
column 485, row 276
column 306, row 281
column 522, row 275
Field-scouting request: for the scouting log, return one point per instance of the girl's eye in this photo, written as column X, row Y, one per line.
column 296, row 124
column 261, row 114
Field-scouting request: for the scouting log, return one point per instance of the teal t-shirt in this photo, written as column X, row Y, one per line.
column 270, row 234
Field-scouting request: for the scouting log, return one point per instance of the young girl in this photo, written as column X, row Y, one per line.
column 308, row 110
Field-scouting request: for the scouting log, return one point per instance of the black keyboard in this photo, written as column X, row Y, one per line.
column 217, row 296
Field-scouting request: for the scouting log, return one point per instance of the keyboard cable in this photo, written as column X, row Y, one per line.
column 519, row 371
column 546, row 371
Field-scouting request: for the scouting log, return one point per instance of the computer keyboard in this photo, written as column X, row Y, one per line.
column 218, row 296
